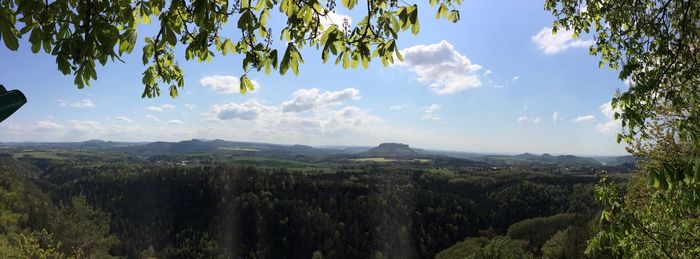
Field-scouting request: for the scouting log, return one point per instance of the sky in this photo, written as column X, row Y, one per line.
column 497, row 81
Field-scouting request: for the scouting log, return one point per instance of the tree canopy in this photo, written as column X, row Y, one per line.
column 654, row 45
column 82, row 33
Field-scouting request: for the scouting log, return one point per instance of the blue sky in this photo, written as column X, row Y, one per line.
column 496, row 81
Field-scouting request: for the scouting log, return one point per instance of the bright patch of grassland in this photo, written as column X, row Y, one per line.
column 45, row 154
column 386, row 160
column 373, row 159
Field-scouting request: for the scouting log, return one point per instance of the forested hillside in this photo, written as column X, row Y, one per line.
column 145, row 207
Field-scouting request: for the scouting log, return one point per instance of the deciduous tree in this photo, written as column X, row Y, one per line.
column 82, row 33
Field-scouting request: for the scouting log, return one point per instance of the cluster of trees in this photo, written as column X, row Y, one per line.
column 654, row 45
column 205, row 212
column 31, row 226
column 562, row 235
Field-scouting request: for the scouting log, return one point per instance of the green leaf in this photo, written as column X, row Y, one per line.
column 173, row 91
column 284, row 66
column 349, row 3
column 245, row 84
column 9, row 37
column 415, row 28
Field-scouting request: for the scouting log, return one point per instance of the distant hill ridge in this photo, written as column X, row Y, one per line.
column 392, row 150
column 398, row 151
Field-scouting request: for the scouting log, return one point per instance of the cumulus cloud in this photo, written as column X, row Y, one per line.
column 555, row 43
column 611, row 125
column 248, row 110
column 273, row 119
column 175, row 122
column 583, row 118
column 441, row 67
column 522, row 119
column 124, row 119
column 225, row 84
column 319, row 117
column 429, row 112
column 190, row 106
column 347, row 117
column 537, row 120
column 83, row 128
column 48, row 124
column 84, row 103
column 307, row 99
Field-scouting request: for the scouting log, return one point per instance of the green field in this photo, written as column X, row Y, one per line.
column 45, row 154
column 386, row 160
column 373, row 159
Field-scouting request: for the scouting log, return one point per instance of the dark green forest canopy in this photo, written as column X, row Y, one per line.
column 82, row 33
column 216, row 206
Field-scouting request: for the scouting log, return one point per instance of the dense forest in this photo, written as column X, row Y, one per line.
column 67, row 203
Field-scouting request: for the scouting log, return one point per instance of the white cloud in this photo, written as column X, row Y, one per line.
column 320, row 118
column 525, row 119
column 248, row 110
column 583, row 118
column 48, row 124
column 175, row 122
column 161, row 108
column 488, row 72
column 154, row 109
column 612, row 125
column 307, row 99
column 84, row 103
column 335, row 18
column 225, row 84
column 515, row 78
column 152, row 117
column 84, row 128
column 554, row 43
column 441, row 67
column 124, row 119
column 556, row 117
column 397, row 107
column 347, row 117
column 190, row 106
column 428, row 112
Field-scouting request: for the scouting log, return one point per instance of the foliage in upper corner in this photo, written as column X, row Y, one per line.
column 654, row 44
column 81, row 33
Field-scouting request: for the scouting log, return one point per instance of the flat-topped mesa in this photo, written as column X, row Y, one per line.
column 394, row 145
column 394, row 150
